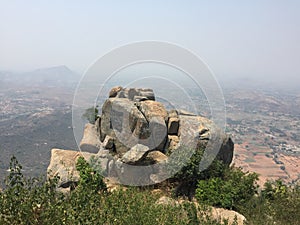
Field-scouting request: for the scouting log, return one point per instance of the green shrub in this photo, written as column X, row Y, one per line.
column 190, row 173
column 89, row 178
column 38, row 202
column 277, row 203
column 229, row 191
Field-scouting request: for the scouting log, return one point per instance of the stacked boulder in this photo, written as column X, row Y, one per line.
column 134, row 129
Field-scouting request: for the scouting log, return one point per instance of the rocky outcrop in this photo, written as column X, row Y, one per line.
column 134, row 129
column 63, row 165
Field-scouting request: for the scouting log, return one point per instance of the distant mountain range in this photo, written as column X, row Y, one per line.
column 52, row 76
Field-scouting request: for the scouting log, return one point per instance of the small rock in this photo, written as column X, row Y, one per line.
column 135, row 154
column 114, row 91
column 173, row 142
column 108, row 142
column 164, row 200
column 157, row 156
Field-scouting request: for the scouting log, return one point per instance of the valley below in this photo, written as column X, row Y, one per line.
column 264, row 125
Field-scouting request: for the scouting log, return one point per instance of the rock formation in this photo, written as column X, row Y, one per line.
column 133, row 130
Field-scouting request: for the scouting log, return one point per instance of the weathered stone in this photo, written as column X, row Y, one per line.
column 147, row 93
column 229, row 215
column 135, row 154
column 185, row 113
column 133, row 174
column 63, row 164
column 123, row 93
column 173, row 113
column 173, row 142
column 118, row 118
column 97, row 124
column 111, row 169
column 136, row 94
column 218, row 214
column 114, row 91
column 157, row 156
column 103, row 153
column 90, row 141
column 153, row 109
column 156, row 115
column 140, row 98
column 173, row 125
column 164, row 200
column 108, row 142
column 196, row 131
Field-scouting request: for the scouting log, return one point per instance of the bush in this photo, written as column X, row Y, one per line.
column 229, row 191
column 90, row 179
column 33, row 201
column 277, row 203
column 190, row 173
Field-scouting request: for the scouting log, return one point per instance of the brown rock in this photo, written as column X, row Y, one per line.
column 173, row 142
column 114, row 91
column 108, row 142
column 153, row 109
column 156, row 156
column 63, row 164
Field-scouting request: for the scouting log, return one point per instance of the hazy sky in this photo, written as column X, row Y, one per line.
column 250, row 38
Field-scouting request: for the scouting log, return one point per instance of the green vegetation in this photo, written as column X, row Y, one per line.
column 33, row 201
column 232, row 189
column 91, row 114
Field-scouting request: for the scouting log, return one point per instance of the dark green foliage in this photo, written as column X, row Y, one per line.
column 230, row 190
column 190, row 173
column 90, row 179
column 91, row 114
column 276, row 204
column 37, row 202
column 33, row 201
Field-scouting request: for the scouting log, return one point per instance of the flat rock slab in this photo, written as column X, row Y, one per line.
column 135, row 154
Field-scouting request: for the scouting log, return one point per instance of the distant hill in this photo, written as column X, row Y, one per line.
column 52, row 76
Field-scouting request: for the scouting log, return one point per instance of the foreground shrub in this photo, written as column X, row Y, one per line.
column 277, row 203
column 229, row 191
column 33, row 201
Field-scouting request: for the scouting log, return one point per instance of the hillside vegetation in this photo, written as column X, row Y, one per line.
column 33, row 201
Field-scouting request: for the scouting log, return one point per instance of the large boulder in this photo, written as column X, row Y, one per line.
column 196, row 131
column 63, row 165
column 90, row 141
